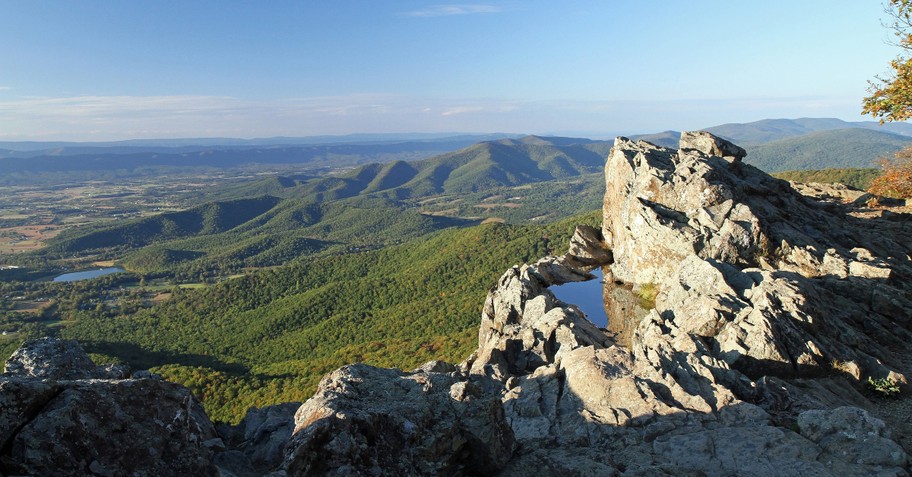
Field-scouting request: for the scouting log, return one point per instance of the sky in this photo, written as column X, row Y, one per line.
column 98, row 70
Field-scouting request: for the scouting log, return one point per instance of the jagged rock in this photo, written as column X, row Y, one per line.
column 587, row 247
column 59, row 418
column 524, row 326
column 371, row 421
column 710, row 145
column 257, row 444
column 51, row 358
column 852, row 436
column 774, row 280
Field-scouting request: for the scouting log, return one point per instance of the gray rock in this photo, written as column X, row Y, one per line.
column 124, row 427
column 62, row 415
column 587, row 247
column 371, row 421
column 55, row 359
column 710, row 145
column 257, row 444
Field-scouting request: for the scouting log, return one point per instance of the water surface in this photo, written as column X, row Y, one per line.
column 585, row 295
column 75, row 276
column 612, row 306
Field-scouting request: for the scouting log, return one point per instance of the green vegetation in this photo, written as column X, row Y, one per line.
column 646, row 295
column 841, row 148
column 857, row 178
column 473, row 169
column 884, row 386
column 269, row 336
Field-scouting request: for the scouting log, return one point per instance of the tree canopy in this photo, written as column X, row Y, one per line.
column 891, row 96
column 891, row 100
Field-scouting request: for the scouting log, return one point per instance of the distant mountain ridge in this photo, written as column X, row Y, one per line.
column 775, row 145
column 506, row 162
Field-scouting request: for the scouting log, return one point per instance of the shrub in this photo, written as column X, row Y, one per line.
column 884, row 386
column 896, row 179
column 647, row 294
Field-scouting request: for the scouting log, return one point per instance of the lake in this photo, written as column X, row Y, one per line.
column 75, row 276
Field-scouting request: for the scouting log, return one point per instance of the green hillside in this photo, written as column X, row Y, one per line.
column 206, row 219
column 269, row 336
column 857, row 178
column 476, row 168
column 769, row 130
column 257, row 232
column 840, row 148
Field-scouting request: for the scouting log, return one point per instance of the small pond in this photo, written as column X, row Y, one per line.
column 609, row 305
column 75, row 276
column 587, row 296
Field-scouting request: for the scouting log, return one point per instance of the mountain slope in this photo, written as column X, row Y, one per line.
column 840, row 148
column 475, row 168
column 768, row 130
column 398, row 306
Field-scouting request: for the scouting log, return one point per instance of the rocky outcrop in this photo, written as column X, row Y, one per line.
column 773, row 282
column 257, row 444
column 53, row 359
column 770, row 306
column 62, row 415
column 372, row 421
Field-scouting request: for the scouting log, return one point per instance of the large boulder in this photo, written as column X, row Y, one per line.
column 60, row 418
column 371, row 421
column 55, row 359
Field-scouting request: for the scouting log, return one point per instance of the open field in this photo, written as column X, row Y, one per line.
column 26, row 238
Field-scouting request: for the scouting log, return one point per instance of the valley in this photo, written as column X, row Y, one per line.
column 248, row 284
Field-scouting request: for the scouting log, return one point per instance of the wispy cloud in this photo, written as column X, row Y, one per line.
column 93, row 118
column 453, row 9
column 5, row 88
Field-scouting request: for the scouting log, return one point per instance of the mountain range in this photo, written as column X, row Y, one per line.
column 775, row 145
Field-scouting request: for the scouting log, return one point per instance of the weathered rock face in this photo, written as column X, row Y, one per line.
column 774, row 282
column 61, row 416
column 371, row 421
column 49, row 358
column 257, row 444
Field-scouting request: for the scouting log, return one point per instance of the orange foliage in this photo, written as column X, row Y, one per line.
column 896, row 179
column 891, row 96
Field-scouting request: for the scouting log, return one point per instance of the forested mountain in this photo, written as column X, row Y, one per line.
column 250, row 232
column 370, row 206
column 839, row 148
column 74, row 162
column 478, row 167
column 768, row 130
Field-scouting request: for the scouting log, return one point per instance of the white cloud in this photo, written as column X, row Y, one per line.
column 453, row 9
column 5, row 88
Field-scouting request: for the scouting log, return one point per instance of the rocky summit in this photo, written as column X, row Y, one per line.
column 764, row 328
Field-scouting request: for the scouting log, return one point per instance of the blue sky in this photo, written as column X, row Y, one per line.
column 106, row 70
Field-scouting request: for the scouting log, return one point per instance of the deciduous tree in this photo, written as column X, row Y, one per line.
column 891, row 95
column 891, row 100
